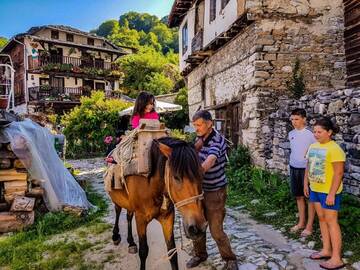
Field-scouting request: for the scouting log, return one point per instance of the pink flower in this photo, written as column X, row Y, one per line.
column 108, row 139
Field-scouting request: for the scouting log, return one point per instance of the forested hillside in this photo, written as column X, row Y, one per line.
column 155, row 66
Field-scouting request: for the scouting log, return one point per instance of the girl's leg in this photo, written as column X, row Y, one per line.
column 331, row 217
column 326, row 250
column 311, row 217
column 300, row 201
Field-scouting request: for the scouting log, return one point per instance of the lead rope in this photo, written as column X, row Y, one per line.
column 175, row 250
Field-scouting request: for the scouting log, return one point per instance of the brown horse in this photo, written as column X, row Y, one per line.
column 176, row 175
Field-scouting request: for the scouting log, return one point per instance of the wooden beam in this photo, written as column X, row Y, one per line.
column 10, row 222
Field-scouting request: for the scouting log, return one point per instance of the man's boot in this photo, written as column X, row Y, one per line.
column 195, row 261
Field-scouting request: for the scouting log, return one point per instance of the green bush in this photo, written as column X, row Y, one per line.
column 86, row 126
column 178, row 119
column 179, row 134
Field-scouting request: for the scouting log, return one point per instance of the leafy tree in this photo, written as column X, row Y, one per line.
column 165, row 19
column 139, row 21
column 126, row 36
column 179, row 119
column 3, row 41
column 142, row 68
column 150, row 40
column 157, row 83
column 108, row 28
column 87, row 125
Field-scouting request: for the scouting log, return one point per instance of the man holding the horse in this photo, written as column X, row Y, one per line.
column 211, row 147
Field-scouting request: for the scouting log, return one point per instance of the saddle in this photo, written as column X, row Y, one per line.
column 132, row 154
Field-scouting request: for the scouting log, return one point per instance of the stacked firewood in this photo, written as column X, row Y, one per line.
column 19, row 194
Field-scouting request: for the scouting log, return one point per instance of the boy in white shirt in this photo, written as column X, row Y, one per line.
column 300, row 139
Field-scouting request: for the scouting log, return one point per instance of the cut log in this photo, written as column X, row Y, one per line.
column 5, row 163
column 4, row 207
column 37, row 192
column 9, row 198
column 12, row 175
column 15, row 186
column 7, row 154
column 22, row 204
column 8, row 147
column 77, row 211
column 10, row 222
column 18, row 164
column 37, row 182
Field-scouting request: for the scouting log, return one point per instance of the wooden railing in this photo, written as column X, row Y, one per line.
column 197, row 41
column 50, row 93
column 42, row 61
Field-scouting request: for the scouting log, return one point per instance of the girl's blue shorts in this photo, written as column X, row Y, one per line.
column 321, row 198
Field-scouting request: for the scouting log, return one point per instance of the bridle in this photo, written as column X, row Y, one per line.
column 185, row 201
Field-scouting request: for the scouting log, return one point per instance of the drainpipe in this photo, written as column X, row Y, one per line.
column 25, row 74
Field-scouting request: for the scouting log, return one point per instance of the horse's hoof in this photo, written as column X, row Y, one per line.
column 133, row 249
column 117, row 242
column 116, row 239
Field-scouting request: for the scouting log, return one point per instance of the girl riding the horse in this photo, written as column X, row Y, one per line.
column 144, row 109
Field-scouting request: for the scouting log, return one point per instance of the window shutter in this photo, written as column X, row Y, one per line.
column 212, row 10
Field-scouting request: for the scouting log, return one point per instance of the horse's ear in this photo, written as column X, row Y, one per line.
column 165, row 150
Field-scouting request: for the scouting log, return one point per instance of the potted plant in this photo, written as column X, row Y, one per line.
column 77, row 69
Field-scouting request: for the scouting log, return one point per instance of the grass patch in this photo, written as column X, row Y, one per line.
column 26, row 249
column 247, row 183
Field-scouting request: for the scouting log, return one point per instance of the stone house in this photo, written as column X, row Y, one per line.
column 55, row 65
column 238, row 57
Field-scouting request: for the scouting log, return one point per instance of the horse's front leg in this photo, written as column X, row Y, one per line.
column 130, row 239
column 141, row 225
column 167, row 224
column 116, row 236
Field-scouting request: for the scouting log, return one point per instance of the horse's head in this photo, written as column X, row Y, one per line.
column 183, row 182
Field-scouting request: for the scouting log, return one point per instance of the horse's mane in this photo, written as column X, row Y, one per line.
column 183, row 160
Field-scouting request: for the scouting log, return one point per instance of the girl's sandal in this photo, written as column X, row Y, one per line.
column 296, row 228
column 305, row 233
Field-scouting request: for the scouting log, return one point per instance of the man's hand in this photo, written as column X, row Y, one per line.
column 199, row 144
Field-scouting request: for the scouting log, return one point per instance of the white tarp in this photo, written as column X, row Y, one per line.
column 161, row 107
column 34, row 146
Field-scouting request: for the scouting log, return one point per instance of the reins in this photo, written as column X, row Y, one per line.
column 185, row 201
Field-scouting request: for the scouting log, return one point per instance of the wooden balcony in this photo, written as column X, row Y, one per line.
column 67, row 63
column 197, row 41
column 57, row 94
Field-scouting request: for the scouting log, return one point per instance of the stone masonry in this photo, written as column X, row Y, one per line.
column 343, row 106
column 253, row 69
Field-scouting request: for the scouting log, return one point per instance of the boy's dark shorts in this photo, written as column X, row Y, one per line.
column 297, row 181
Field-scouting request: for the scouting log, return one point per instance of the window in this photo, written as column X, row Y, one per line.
column 90, row 41
column 184, row 34
column 224, row 3
column 54, row 34
column 44, row 81
column 70, row 37
column 203, row 90
column 212, row 10
column 99, row 86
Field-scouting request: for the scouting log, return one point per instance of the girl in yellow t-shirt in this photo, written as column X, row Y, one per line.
column 324, row 171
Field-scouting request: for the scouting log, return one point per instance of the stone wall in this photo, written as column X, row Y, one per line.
column 311, row 31
column 342, row 106
column 255, row 67
column 227, row 74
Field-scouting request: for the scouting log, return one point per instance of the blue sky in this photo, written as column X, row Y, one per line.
column 17, row 16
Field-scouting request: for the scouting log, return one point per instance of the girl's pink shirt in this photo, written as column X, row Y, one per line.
column 136, row 119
